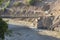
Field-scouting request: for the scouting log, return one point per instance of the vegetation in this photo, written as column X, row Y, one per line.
column 1, row 1
column 3, row 25
column 3, row 28
column 31, row 2
column 17, row 3
column 6, row 5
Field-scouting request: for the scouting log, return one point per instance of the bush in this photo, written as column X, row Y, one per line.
column 3, row 28
column 17, row 3
column 31, row 2
column 6, row 5
column 1, row 1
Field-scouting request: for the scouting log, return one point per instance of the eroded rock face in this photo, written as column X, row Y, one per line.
column 45, row 22
column 55, row 10
column 49, row 22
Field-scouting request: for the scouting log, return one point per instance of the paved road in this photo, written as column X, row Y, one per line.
column 24, row 33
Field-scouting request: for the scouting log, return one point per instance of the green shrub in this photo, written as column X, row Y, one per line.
column 3, row 28
column 1, row 1
column 6, row 5
column 31, row 2
column 17, row 3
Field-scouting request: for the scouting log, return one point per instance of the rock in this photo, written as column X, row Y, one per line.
column 45, row 22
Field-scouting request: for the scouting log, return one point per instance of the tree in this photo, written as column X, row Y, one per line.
column 3, row 25
column 3, row 28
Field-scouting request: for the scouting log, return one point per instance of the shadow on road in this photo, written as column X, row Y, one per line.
column 27, row 34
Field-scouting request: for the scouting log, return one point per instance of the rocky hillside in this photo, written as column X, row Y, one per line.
column 41, row 13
